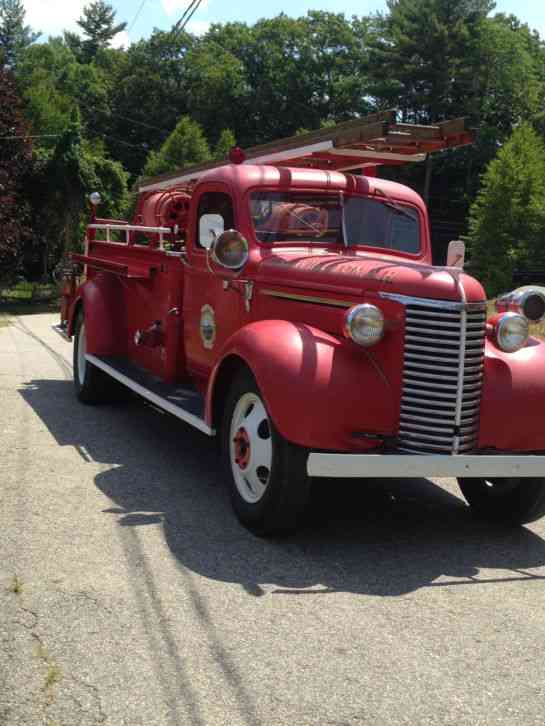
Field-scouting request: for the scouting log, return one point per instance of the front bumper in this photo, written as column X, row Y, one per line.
column 395, row 466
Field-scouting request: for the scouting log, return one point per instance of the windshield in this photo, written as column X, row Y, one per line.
column 317, row 218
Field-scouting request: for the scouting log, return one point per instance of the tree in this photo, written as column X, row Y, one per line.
column 186, row 145
column 507, row 219
column 424, row 56
column 15, row 36
column 15, row 168
column 75, row 169
column 225, row 143
column 99, row 27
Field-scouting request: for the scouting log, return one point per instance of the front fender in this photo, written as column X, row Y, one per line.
column 513, row 399
column 105, row 316
column 319, row 390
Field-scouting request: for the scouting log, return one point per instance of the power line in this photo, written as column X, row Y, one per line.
column 180, row 21
column 186, row 17
column 36, row 136
column 141, row 7
column 140, row 123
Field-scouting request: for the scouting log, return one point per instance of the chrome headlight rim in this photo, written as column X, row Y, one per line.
column 356, row 316
column 501, row 332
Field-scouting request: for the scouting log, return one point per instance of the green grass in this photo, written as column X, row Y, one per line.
column 16, row 586
column 28, row 292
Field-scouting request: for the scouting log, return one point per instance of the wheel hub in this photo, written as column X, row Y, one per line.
column 242, row 448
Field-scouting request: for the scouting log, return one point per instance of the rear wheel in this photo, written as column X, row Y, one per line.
column 92, row 385
column 512, row 500
column 267, row 475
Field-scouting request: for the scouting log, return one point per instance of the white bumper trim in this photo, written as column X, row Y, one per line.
column 394, row 466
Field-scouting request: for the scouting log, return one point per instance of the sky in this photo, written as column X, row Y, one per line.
column 52, row 16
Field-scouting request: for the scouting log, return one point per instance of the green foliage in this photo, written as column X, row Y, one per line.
column 15, row 169
column 507, row 220
column 99, row 27
column 15, row 36
column 186, row 145
column 432, row 59
column 225, row 143
column 424, row 56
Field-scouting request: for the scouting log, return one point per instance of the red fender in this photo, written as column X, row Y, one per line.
column 72, row 312
column 105, row 315
column 513, row 399
column 319, row 390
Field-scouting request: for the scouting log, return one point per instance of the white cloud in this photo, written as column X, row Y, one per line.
column 121, row 40
column 51, row 17
column 175, row 7
column 198, row 27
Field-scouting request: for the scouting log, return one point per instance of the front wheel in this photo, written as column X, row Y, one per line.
column 513, row 501
column 267, row 475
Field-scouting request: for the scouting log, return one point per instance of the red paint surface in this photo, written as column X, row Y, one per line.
column 319, row 388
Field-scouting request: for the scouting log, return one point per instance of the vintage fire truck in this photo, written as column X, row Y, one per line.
column 288, row 305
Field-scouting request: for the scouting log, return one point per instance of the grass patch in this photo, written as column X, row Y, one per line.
column 16, row 586
column 53, row 674
column 29, row 292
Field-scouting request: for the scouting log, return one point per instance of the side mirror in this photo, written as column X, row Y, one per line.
column 230, row 250
column 456, row 254
column 210, row 228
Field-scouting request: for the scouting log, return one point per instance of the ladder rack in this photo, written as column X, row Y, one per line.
column 362, row 144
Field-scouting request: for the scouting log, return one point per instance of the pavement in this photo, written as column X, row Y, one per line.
column 130, row 595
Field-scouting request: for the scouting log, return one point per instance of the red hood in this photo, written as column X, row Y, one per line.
column 357, row 275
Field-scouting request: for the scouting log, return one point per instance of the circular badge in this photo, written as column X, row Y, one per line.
column 208, row 326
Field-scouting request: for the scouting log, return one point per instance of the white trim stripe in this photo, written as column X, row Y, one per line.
column 159, row 401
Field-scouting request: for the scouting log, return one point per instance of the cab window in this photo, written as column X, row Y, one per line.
column 214, row 215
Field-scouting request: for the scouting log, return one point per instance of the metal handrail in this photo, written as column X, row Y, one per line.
column 161, row 231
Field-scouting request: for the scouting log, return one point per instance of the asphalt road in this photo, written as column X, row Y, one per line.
column 130, row 595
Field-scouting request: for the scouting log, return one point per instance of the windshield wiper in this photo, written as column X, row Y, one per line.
column 392, row 204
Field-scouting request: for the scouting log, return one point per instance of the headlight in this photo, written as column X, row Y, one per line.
column 364, row 324
column 512, row 331
column 529, row 301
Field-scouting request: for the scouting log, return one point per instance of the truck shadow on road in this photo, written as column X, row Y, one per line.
column 384, row 539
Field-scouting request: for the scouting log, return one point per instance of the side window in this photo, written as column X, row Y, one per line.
column 214, row 215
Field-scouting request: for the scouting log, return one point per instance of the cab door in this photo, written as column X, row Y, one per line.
column 213, row 310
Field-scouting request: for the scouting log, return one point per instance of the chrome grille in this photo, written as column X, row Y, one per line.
column 435, row 331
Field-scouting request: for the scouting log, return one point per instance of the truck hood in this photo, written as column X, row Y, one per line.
column 360, row 274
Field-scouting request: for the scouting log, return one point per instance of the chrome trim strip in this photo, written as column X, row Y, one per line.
column 385, row 466
column 309, row 299
column 62, row 332
column 427, row 302
column 159, row 401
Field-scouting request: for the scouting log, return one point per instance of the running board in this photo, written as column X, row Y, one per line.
column 184, row 402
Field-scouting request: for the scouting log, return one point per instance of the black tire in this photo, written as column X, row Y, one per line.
column 512, row 501
column 286, row 486
column 92, row 385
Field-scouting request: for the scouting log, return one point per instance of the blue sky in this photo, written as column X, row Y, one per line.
column 51, row 16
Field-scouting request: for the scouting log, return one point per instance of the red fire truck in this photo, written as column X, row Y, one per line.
column 290, row 308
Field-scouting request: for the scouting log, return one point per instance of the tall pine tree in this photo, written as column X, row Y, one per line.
column 424, row 56
column 15, row 36
column 99, row 27
column 508, row 217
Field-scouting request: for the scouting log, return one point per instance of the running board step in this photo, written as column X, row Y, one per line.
column 184, row 402
column 61, row 330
